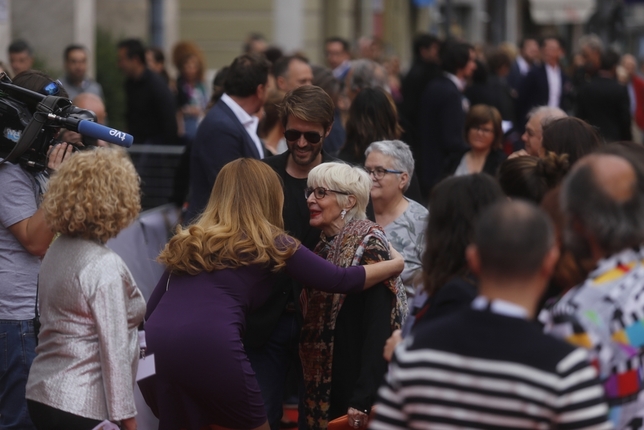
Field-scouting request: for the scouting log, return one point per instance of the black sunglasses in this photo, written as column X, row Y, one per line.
column 310, row 136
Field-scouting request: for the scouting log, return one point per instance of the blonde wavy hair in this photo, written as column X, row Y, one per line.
column 241, row 225
column 93, row 195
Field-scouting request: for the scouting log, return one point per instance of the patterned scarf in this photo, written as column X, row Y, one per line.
column 321, row 310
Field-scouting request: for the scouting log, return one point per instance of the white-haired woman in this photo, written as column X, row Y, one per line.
column 390, row 164
column 343, row 335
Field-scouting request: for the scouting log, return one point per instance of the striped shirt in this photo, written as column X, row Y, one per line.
column 482, row 369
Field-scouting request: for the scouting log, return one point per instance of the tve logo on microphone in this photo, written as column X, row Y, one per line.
column 118, row 134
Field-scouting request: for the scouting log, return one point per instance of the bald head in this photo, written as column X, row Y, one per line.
column 92, row 102
column 604, row 198
column 614, row 176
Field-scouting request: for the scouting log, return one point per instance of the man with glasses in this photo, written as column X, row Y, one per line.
column 272, row 332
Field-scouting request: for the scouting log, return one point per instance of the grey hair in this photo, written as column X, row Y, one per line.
column 400, row 153
column 347, row 178
column 615, row 225
column 592, row 41
column 548, row 114
column 367, row 74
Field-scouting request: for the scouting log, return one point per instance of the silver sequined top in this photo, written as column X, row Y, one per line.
column 87, row 353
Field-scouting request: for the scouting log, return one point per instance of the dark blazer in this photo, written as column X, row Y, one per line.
column 534, row 91
column 515, row 78
column 220, row 139
column 605, row 103
column 491, row 166
column 442, row 118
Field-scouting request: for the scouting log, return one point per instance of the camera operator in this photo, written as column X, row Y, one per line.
column 24, row 239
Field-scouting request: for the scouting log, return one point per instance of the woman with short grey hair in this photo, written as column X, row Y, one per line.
column 390, row 165
column 343, row 334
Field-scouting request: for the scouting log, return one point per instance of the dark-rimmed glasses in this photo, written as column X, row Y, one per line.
column 380, row 172
column 310, row 136
column 320, row 192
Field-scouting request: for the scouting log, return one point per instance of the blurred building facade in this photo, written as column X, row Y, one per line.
column 220, row 26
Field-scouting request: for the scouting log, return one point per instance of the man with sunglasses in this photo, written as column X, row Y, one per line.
column 272, row 332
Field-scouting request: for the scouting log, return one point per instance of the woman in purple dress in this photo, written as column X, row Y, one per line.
column 218, row 270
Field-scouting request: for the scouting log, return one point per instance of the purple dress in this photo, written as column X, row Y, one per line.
column 195, row 331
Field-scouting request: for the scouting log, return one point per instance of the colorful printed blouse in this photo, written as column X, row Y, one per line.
column 605, row 314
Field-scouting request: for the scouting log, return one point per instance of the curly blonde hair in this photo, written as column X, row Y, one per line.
column 241, row 225
column 93, row 195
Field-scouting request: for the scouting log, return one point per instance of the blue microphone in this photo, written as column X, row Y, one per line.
column 94, row 130
column 111, row 135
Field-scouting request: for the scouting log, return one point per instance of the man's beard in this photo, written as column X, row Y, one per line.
column 312, row 155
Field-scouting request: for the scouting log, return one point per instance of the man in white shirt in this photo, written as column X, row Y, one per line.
column 229, row 130
column 545, row 85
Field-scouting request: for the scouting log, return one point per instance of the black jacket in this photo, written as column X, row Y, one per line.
column 604, row 103
column 261, row 323
column 441, row 128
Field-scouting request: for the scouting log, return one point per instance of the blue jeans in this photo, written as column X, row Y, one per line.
column 17, row 351
column 271, row 363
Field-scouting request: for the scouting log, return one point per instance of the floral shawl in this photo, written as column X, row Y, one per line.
column 321, row 309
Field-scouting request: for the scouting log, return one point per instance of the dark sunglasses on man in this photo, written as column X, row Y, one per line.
column 309, row 136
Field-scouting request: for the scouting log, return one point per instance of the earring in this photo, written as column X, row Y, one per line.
column 343, row 213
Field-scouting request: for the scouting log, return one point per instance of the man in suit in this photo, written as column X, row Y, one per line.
column 442, row 112
column 272, row 332
column 527, row 58
column 150, row 111
column 426, row 66
column 229, row 130
column 604, row 102
column 546, row 84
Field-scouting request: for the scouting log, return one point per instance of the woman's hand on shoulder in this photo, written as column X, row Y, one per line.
column 397, row 258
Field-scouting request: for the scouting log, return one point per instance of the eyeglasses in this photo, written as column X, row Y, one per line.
column 380, row 172
column 483, row 130
column 309, row 136
column 320, row 192
column 52, row 88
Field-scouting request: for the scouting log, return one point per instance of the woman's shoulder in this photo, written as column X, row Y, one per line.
column 417, row 210
column 362, row 227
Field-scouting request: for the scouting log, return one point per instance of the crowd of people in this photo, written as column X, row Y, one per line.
column 458, row 247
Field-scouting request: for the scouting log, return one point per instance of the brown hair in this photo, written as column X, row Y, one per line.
column 93, row 195
column 531, row 177
column 241, row 225
column 308, row 103
column 183, row 51
column 482, row 114
column 571, row 136
column 372, row 117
